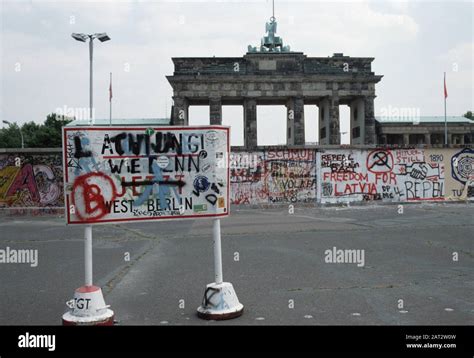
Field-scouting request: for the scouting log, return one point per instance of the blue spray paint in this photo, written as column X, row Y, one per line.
column 86, row 164
column 164, row 191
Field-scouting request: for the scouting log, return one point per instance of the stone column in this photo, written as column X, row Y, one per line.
column 323, row 121
column 369, row 121
column 180, row 112
column 461, row 139
column 427, row 139
column 295, row 121
column 334, row 131
column 406, row 139
column 215, row 111
column 357, row 118
column 250, row 123
column 383, row 138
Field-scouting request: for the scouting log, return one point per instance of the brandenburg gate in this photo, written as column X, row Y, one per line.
column 272, row 74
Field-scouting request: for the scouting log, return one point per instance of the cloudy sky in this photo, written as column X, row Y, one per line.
column 44, row 70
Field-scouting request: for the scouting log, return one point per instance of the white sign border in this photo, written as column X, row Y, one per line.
column 143, row 219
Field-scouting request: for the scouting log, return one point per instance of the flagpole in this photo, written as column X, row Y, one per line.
column 110, row 99
column 445, row 119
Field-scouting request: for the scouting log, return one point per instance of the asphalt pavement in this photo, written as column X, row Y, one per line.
column 417, row 269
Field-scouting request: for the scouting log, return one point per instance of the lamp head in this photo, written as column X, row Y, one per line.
column 79, row 37
column 102, row 37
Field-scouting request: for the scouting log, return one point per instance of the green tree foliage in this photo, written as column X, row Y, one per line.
column 10, row 137
column 469, row 115
column 46, row 135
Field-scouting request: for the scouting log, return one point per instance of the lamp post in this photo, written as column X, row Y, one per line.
column 102, row 37
column 97, row 312
column 21, row 134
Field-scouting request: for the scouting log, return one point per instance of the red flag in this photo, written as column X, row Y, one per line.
column 445, row 89
column 110, row 89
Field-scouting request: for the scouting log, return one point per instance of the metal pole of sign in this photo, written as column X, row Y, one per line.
column 110, row 100
column 95, row 312
column 220, row 301
column 445, row 118
column 88, row 254
column 90, row 77
column 216, row 234
column 88, row 228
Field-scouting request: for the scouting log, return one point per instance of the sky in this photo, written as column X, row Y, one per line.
column 43, row 70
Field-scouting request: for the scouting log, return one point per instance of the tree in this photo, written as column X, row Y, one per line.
column 51, row 133
column 46, row 135
column 29, row 130
column 469, row 115
column 10, row 136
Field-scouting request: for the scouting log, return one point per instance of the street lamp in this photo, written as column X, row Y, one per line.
column 21, row 134
column 102, row 37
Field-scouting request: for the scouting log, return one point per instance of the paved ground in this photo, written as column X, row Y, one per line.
column 281, row 258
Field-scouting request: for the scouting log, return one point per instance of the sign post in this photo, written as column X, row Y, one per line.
column 128, row 174
column 216, row 237
column 88, row 254
column 220, row 301
column 88, row 306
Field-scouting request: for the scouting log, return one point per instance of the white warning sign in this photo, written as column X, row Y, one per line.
column 120, row 174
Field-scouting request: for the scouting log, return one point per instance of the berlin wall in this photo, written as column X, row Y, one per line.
column 398, row 175
column 272, row 176
column 351, row 175
column 31, row 179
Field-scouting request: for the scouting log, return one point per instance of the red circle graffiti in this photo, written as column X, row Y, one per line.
column 381, row 159
column 92, row 194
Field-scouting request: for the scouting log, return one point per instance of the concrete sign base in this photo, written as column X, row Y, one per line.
column 220, row 302
column 88, row 308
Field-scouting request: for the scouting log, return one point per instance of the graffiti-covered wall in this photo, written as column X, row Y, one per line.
column 393, row 175
column 31, row 180
column 280, row 176
column 460, row 182
column 273, row 176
